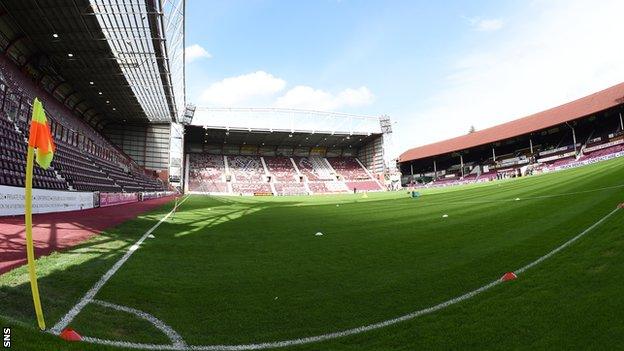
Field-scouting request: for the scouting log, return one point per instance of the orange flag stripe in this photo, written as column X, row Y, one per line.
column 40, row 137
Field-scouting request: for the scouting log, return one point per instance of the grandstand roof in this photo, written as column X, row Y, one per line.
column 199, row 134
column 109, row 58
column 287, row 120
column 571, row 111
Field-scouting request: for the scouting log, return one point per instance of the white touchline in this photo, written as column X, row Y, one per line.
column 73, row 312
column 353, row 331
column 176, row 340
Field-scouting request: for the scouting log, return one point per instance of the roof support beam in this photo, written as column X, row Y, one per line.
column 156, row 23
column 461, row 162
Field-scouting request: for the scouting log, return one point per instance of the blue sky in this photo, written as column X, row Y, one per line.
column 435, row 67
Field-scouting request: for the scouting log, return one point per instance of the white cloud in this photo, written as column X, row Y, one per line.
column 565, row 52
column 306, row 97
column 195, row 52
column 242, row 90
column 487, row 25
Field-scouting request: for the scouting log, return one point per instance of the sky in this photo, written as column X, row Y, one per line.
column 435, row 67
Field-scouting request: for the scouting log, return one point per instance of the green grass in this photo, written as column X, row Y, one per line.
column 241, row 270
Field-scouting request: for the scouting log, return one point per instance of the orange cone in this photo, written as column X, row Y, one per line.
column 70, row 335
column 509, row 276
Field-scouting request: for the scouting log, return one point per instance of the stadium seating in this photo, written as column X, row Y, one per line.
column 290, row 189
column 207, row 173
column 355, row 176
column 553, row 157
column 149, row 183
column 348, row 168
column 327, row 187
column 314, row 168
column 246, row 169
column 446, row 181
column 251, row 188
column 13, row 160
column 602, row 152
column 80, row 171
column 281, row 169
column 73, row 167
column 366, row 185
column 470, row 177
column 486, row 176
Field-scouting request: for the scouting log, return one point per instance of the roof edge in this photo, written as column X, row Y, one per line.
column 570, row 111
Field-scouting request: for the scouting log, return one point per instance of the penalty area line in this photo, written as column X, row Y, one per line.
column 88, row 297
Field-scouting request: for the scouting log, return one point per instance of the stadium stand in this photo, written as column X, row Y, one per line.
column 284, row 176
column 278, row 161
column 84, row 159
column 583, row 131
column 355, row 175
column 290, row 189
column 588, row 155
column 314, row 168
column 366, row 185
column 348, row 168
column 80, row 171
column 327, row 187
column 281, row 169
column 246, row 169
column 248, row 175
column 207, row 174
column 251, row 188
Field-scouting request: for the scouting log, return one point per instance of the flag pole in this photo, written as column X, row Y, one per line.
column 30, row 252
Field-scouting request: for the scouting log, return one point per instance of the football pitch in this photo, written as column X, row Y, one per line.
column 389, row 272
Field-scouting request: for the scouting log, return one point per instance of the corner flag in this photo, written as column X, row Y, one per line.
column 40, row 139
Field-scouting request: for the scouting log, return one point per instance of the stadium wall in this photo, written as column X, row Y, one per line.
column 372, row 155
column 147, row 145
